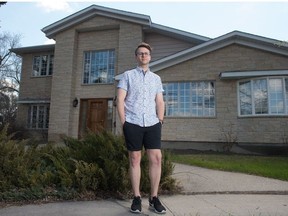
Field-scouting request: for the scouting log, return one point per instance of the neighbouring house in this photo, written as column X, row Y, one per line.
column 226, row 90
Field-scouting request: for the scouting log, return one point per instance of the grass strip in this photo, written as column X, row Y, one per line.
column 266, row 166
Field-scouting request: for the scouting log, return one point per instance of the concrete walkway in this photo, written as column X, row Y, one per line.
column 205, row 193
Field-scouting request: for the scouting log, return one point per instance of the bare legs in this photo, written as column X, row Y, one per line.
column 154, row 157
column 135, row 171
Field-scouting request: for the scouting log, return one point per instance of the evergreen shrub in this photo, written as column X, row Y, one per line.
column 95, row 166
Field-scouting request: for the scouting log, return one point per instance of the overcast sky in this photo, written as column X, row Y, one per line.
column 210, row 18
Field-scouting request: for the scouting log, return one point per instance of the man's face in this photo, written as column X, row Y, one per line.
column 143, row 56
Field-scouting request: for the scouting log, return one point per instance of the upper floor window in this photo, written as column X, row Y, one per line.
column 187, row 99
column 99, row 66
column 38, row 116
column 43, row 65
column 263, row 96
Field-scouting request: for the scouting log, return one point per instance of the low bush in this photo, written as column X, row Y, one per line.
column 96, row 166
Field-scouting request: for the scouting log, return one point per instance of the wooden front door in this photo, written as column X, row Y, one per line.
column 97, row 115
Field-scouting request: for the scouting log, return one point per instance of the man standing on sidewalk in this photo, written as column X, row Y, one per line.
column 140, row 107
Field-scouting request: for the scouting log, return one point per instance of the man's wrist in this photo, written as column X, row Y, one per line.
column 161, row 121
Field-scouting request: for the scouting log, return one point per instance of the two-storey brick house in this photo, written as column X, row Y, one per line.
column 233, row 88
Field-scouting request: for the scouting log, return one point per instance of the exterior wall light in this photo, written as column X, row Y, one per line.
column 75, row 102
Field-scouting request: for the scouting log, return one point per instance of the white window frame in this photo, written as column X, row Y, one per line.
column 36, row 116
column 49, row 66
column 284, row 92
column 106, row 77
column 203, row 109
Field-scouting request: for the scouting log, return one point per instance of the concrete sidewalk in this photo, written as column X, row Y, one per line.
column 205, row 193
column 196, row 180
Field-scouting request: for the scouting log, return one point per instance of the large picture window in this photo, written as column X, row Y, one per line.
column 99, row 66
column 43, row 65
column 38, row 116
column 189, row 99
column 263, row 96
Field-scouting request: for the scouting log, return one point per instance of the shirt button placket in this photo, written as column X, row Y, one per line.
column 144, row 100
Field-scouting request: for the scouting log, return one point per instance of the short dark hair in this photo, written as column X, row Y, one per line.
column 145, row 45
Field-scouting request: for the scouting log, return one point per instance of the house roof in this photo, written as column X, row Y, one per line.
column 93, row 10
column 203, row 44
column 144, row 20
column 32, row 49
column 90, row 12
column 235, row 37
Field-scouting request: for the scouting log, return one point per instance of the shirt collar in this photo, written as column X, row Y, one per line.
column 140, row 69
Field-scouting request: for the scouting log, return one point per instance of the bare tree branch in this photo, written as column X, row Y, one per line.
column 10, row 70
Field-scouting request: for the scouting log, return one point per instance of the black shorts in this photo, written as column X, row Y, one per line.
column 136, row 136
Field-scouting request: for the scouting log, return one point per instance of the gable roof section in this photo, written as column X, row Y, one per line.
column 90, row 12
column 235, row 37
column 144, row 20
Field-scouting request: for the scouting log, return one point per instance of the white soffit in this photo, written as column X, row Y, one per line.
column 249, row 74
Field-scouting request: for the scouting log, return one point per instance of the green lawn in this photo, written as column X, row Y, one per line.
column 273, row 167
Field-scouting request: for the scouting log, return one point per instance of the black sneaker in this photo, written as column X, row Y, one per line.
column 136, row 205
column 156, row 205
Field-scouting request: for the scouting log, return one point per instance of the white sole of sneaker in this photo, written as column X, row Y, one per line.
column 153, row 209
column 136, row 212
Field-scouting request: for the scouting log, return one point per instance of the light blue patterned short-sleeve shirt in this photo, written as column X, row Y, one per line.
column 140, row 104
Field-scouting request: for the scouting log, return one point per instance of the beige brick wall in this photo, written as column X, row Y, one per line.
column 61, row 98
column 33, row 87
column 129, row 37
column 208, row 67
column 96, row 34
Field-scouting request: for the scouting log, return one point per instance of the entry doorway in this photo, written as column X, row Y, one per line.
column 96, row 115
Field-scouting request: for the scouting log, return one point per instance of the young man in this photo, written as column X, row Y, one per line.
column 140, row 107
